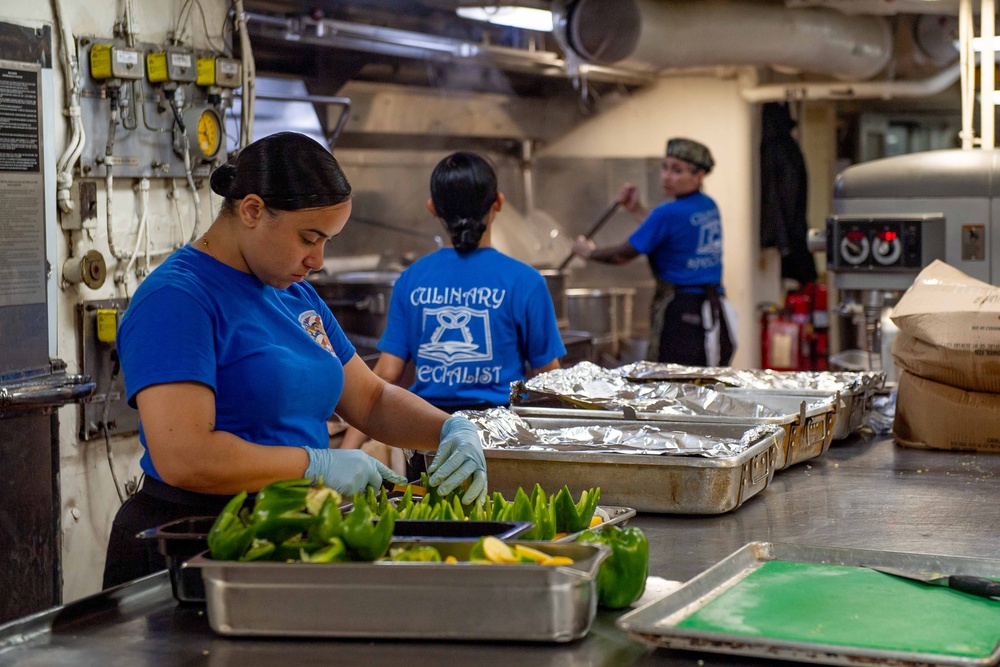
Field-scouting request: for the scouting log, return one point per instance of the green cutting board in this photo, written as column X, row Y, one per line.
column 852, row 606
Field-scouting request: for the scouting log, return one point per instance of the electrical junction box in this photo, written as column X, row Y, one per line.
column 98, row 322
column 222, row 72
column 174, row 64
column 108, row 61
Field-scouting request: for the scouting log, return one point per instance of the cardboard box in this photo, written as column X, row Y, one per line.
column 975, row 370
column 931, row 415
column 949, row 329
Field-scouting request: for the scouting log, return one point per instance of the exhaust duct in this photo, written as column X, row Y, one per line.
column 663, row 34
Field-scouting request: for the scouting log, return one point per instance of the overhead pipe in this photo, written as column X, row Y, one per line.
column 854, row 91
column 665, row 34
column 407, row 44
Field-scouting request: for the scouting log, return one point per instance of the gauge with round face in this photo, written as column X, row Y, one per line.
column 209, row 133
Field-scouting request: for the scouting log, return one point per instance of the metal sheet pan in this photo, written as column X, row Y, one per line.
column 656, row 623
column 517, row 602
column 616, row 516
column 649, row 483
column 807, row 432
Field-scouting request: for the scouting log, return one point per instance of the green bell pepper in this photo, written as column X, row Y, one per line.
column 229, row 537
column 366, row 539
column 573, row 517
column 621, row 579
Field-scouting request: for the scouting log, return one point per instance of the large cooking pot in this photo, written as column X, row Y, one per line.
column 555, row 280
column 604, row 312
column 359, row 299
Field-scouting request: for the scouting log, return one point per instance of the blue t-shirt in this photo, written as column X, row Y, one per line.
column 470, row 323
column 683, row 240
column 274, row 358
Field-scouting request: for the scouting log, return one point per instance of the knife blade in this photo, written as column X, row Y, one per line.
column 980, row 586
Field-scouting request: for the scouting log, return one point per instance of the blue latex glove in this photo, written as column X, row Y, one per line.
column 348, row 471
column 458, row 458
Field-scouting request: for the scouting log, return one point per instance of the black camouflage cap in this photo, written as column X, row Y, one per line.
column 691, row 151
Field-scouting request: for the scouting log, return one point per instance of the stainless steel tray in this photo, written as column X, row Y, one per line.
column 806, row 427
column 617, row 516
column 656, row 623
column 647, row 482
column 389, row 600
column 811, row 433
column 850, row 405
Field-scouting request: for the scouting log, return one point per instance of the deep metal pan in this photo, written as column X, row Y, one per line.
column 388, row 600
column 650, row 483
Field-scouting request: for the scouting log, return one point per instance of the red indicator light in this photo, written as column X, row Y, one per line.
column 854, row 235
column 888, row 236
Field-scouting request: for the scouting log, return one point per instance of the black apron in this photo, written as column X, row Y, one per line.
column 696, row 325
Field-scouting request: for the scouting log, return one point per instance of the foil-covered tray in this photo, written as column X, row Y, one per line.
column 665, row 483
column 854, row 391
column 587, row 390
column 843, row 612
column 470, row 601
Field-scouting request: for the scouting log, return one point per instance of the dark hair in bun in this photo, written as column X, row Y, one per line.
column 463, row 189
column 289, row 171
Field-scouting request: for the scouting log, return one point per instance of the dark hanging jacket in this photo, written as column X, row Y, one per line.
column 783, row 195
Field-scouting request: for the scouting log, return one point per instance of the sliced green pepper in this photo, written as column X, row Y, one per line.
column 259, row 550
column 230, row 536
column 281, row 497
column 544, row 518
column 423, row 554
column 366, row 539
column 334, row 552
column 573, row 517
column 330, row 523
column 621, row 579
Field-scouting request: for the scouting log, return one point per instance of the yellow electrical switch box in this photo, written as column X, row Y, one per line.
column 174, row 64
column 107, row 325
column 222, row 72
column 109, row 61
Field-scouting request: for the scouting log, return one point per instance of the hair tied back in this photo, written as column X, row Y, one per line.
column 222, row 179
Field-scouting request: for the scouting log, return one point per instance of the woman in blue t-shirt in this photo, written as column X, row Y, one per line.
column 471, row 319
column 691, row 321
column 235, row 364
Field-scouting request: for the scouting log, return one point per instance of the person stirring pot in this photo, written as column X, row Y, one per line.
column 472, row 319
column 235, row 364
column 691, row 321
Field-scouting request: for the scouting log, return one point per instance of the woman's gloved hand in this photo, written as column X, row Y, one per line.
column 348, row 471
column 459, row 457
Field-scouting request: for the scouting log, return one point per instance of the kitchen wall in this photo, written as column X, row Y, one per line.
column 705, row 107
column 89, row 499
column 710, row 110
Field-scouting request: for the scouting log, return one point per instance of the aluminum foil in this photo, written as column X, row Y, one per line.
column 645, row 371
column 499, row 428
column 591, row 386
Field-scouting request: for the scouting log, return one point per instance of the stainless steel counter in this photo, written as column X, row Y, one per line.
column 863, row 492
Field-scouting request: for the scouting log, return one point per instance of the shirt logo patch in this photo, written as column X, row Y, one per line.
column 312, row 323
column 455, row 334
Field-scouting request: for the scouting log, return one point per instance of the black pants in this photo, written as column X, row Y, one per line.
column 682, row 340
column 155, row 504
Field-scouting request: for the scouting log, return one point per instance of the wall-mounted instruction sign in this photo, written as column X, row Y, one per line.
column 22, row 214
